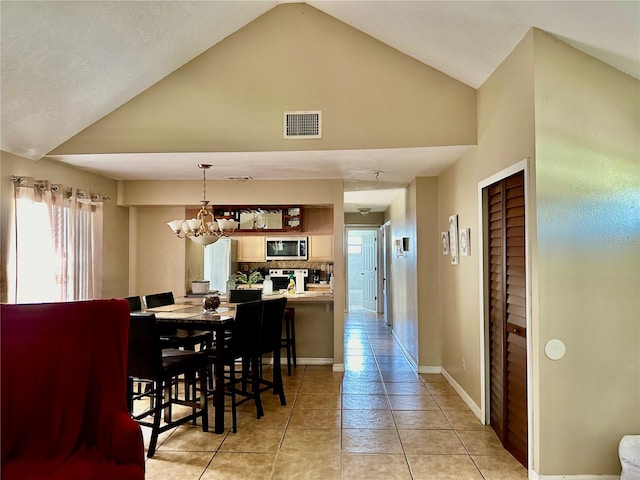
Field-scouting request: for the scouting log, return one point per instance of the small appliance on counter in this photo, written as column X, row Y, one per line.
column 316, row 276
column 199, row 286
column 329, row 270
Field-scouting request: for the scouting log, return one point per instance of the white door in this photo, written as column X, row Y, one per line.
column 370, row 291
column 385, row 239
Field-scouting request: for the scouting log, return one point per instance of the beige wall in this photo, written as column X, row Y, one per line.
column 577, row 121
column 355, row 219
column 403, row 281
column 427, row 242
column 505, row 136
column 160, row 257
column 588, row 191
column 232, row 97
column 115, row 246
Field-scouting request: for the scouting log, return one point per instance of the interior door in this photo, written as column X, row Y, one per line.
column 370, row 293
column 383, row 239
column 507, row 313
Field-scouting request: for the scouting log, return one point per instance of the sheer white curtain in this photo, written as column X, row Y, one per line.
column 58, row 243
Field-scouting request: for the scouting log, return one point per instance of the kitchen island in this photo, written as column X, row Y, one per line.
column 313, row 323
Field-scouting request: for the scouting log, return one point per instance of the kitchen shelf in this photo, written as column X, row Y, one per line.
column 292, row 219
column 276, row 218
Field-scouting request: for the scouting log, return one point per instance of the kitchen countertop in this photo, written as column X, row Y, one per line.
column 318, row 287
column 305, row 297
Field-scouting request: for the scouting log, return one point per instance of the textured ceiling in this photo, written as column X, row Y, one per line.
column 67, row 64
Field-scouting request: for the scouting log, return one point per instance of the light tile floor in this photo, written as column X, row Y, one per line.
column 377, row 420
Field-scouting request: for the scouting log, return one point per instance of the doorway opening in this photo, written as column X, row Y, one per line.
column 362, row 278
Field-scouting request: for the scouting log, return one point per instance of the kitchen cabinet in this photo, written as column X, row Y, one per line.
column 320, row 248
column 318, row 220
column 250, row 248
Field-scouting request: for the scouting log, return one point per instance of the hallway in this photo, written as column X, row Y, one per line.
column 378, row 420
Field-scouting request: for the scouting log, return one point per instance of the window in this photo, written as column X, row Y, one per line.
column 57, row 252
column 35, row 278
column 354, row 245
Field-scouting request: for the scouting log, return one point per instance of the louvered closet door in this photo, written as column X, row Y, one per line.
column 507, row 314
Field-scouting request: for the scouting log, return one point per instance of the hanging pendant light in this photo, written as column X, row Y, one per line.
column 204, row 229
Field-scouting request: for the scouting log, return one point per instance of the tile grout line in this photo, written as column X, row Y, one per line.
column 286, row 426
column 404, row 452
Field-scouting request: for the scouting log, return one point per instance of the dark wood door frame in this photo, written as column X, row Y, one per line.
column 484, row 307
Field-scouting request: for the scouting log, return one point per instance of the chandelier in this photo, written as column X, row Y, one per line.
column 204, row 229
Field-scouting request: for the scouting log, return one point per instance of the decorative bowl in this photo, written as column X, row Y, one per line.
column 211, row 302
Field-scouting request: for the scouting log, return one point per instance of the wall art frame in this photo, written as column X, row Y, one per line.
column 444, row 240
column 453, row 240
column 465, row 246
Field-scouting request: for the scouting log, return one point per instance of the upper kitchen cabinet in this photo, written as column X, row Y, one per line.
column 250, row 248
column 318, row 220
column 320, row 248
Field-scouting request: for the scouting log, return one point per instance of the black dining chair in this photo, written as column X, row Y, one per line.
column 149, row 362
column 135, row 303
column 177, row 338
column 288, row 341
column 159, row 299
column 243, row 341
column 244, row 295
column 270, row 343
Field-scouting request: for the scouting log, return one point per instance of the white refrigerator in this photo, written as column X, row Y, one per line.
column 220, row 263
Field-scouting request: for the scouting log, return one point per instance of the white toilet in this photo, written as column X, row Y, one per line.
column 629, row 451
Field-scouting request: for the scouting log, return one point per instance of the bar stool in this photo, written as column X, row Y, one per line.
column 289, row 339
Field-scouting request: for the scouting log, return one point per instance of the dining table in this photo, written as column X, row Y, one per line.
column 193, row 317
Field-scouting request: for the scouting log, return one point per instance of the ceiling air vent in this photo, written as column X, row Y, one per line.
column 239, row 177
column 303, row 124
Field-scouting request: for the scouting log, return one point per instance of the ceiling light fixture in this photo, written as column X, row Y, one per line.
column 204, row 229
column 364, row 210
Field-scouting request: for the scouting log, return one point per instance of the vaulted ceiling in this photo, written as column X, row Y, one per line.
column 66, row 65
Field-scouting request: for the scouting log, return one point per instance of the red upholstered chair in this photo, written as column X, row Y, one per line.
column 64, row 403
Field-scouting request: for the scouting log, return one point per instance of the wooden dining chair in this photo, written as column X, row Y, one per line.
column 243, row 340
column 135, row 303
column 244, row 295
column 159, row 299
column 148, row 361
column 177, row 338
column 288, row 341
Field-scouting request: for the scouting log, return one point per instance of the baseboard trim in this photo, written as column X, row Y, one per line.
column 338, row 367
column 538, row 476
column 414, row 365
column 464, row 395
column 313, row 361
column 302, row 361
column 429, row 369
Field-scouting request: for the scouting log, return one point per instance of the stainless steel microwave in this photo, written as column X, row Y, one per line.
column 286, row 248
